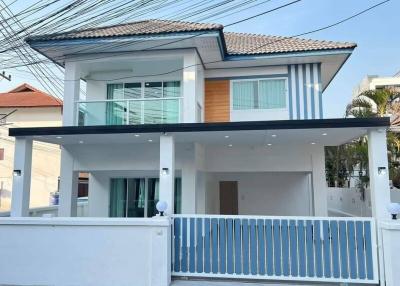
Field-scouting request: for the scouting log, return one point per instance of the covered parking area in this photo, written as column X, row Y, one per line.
column 203, row 155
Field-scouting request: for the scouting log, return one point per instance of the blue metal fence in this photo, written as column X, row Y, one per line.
column 281, row 248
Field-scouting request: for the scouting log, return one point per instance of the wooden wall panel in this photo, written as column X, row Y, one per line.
column 217, row 101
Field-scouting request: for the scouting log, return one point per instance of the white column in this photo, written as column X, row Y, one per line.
column 167, row 171
column 319, row 186
column 200, row 193
column 22, row 177
column 99, row 195
column 71, row 93
column 191, row 89
column 193, row 180
column 188, row 188
column 379, row 183
column 68, row 185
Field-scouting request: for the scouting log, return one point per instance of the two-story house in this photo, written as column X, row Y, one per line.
column 228, row 129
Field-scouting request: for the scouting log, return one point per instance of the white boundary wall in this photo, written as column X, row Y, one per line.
column 52, row 211
column 348, row 202
column 82, row 251
column 390, row 265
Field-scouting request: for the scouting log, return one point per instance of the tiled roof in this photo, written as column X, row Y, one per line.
column 145, row 27
column 236, row 43
column 27, row 96
column 244, row 44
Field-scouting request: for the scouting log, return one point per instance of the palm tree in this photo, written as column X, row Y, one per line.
column 342, row 162
column 375, row 103
column 381, row 103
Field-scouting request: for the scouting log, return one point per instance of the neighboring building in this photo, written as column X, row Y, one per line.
column 227, row 128
column 29, row 107
column 373, row 82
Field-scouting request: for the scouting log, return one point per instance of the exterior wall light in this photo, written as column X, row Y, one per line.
column 161, row 207
column 164, row 171
column 394, row 210
column 17, row 173
column 381, row 171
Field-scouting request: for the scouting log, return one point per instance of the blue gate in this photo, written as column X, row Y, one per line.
column 277, row 248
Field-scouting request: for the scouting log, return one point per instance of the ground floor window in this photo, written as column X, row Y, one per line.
column 137, row 197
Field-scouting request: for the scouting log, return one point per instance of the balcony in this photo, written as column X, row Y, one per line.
column 129, row 111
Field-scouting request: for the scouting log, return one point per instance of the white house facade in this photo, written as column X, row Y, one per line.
column 228, row 129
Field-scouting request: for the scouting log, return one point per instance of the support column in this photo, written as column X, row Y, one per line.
column 167, row 171
column 188, row 188
column 22, row 177
column 319, row 186
column 191, row 87
column 68, row 186
column 378, row 173
column 193, row 180
column 99, row 195
column 71, row 93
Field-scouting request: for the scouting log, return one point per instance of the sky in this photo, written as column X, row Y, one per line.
column 375, row 32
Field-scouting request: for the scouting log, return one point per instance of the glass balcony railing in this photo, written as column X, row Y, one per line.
column 129, row 111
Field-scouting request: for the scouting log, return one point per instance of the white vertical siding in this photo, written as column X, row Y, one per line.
column 316, row 90
column 305, row 91
column 308, row 89
column 300, row 91
column 292, row 97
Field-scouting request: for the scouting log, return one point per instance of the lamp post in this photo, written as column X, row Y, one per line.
column 161, row 206
column 394, row 210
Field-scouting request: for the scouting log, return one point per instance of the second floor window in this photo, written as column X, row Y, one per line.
column 144, row 102
column 259, row 94
column 138, row 90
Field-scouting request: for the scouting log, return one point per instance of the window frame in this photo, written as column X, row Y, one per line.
column 142, row 98
column 142, row 88
column 258, row 79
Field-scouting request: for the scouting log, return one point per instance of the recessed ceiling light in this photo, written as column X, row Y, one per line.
column 230, row 145
column 137, row 135
column 312, row 143
column 59, row 137
column 226, row 136
column 269, row 144
column 324, row 134
column 80, row 142
column 150, row 140
column 273, row 135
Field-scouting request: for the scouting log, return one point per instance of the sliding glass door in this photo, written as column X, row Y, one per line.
column 127, row 197
column 137, row 197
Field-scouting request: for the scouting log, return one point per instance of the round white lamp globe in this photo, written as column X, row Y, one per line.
column 161, row 206
column 393, row 209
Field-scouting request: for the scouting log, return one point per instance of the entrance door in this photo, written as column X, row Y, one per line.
column 228, row 197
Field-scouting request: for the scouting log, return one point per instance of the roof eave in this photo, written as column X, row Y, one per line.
column 319, row 52
column 375, row 122
column 38, row 44
column 44, row 40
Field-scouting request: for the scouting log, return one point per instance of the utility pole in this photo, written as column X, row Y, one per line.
column 7, row 77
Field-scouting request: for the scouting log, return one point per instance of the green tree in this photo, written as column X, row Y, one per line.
column 374, row 103
column 342, row 161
